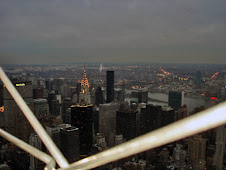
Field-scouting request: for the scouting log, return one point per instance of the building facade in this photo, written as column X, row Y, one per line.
column 99, row 98
column 197, row 152
column 82, row 118
column 36, row 142
column 126, row 123
column 110, row 86
column 107, row 118
column 15, row 121
column 41, row 108
column 69, row 142
column 176, row 99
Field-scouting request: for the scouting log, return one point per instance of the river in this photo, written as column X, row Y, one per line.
column 190, row 102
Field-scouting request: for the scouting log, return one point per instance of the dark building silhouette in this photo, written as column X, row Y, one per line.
column 1, row 95
column 67, row 103
column 81, row 117
column 139, row 96
column 70, row 143
column 37, row 93
column 66, row 137
column 54, row 104
column 110, row 86
column 20, row 160
column 176, row 99
column 99, row 99
column 154, row 117
column 96, row 121
column 48, row 85
column 126, row 123
column 54, row 107
column 120, row 95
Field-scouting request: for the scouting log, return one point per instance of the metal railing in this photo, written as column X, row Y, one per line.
column 202, row 121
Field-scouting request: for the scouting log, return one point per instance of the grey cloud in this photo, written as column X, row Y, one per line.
column 112, row 28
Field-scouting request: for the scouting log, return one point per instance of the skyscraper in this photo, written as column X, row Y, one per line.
column 38, row 93
column 197, row 152
column 110, row 86
column 154, row 117
column 70, row 142
column 85, row 96
column 67, row 102
column 220, row 145
column 139, row 96
column 107, row 118
column 66, row 137
column 54, row 104
column 120, row 95
column 41, row 108
column 81, row 117
column 54, row 133
column 36, row 142
column 126, row 123
column 15, row 121
column 99, row 99
column 176, row 99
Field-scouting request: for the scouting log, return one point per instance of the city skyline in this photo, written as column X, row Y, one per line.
column 54, row 32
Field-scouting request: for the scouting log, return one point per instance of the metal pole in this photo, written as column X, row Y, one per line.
column 50, row 145
column 205, row 120
column 32, row 150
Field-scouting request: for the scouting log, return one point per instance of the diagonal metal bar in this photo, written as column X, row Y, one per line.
column 32, row 150
column 50, row 145
column 202, row 121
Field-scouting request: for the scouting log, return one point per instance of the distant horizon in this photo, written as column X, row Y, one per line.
column 112, row 63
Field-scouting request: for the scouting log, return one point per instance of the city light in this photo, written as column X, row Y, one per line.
column 2, row 109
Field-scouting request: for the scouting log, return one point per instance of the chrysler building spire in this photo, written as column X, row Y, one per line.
column 84, row 96
column 84, row 83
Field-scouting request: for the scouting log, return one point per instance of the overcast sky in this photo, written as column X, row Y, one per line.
column 69, row 31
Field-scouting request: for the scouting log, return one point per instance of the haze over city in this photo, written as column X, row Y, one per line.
column 53, row 32
column 142, row 82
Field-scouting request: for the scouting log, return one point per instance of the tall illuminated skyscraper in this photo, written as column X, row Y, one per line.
column 110, row 86
column 85, row 96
